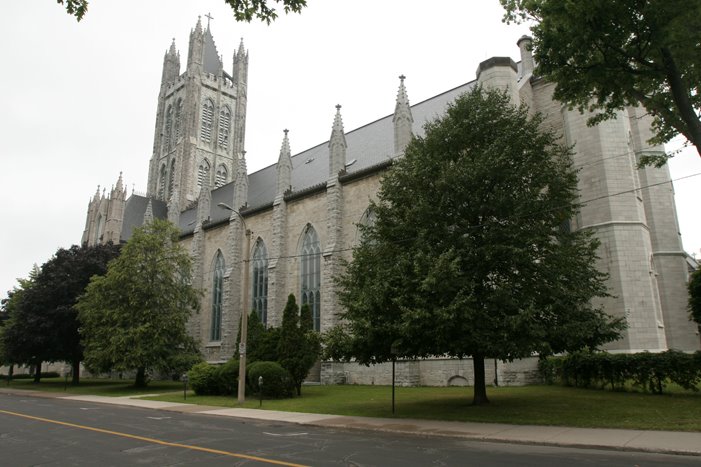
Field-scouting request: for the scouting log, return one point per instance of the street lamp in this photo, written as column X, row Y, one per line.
column 244, row 313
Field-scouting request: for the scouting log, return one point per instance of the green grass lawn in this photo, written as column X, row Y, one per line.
column 95, row 386
column 526, row 405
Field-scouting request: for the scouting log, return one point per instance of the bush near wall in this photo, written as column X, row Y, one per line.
column 648, row 371
column 214, row 380
column 277, row 382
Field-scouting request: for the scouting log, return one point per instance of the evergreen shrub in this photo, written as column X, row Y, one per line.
column 205, row 379
column 229, row 376
column 277, row 382
column 645, row 370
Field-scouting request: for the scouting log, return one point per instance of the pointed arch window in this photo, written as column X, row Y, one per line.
column 217, row 294
column 169, row 128
column 202, row 172
column 178, row 119
column 222, row 176
column 224, row 127
column 171, row 179
column 310, row 273
column 162, row 177
column 260, row 281
column 207, row 121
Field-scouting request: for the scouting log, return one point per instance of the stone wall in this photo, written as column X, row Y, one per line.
column 432, row 372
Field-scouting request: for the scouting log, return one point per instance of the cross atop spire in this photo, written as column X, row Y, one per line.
column 209, row 18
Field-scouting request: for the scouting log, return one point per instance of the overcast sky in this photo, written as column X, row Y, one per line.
column 78, row 100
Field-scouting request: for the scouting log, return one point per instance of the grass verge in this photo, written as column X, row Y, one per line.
column 98, row 387
column 526, row 405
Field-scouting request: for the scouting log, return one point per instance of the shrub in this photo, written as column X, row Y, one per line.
column 229, row 376
column 277, row 382
column 205, row 379
column 648, row 371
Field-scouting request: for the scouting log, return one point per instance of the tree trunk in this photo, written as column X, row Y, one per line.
column 480, row 394
column 10, row 372
column 75, row 368
column 37, row 372
column 140, row 381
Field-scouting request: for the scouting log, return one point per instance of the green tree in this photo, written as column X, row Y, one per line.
column 135, row 316
column 298, row 347
column 604, row 55
column 18, row 343
column 243, row 10
column 58, row 286
column 695, row 296
column 468, row 256
column 45, row 325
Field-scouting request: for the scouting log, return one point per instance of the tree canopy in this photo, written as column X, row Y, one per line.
column 604, row 55
column 243, row 10
column 44, row 324
column 134, row 317
column 468, row 255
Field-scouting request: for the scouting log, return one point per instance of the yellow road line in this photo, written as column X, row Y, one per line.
column 155, row 441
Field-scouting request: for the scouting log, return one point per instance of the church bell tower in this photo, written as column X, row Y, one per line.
column 200, row 122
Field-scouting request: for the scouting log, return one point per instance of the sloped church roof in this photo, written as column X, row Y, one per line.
column 369, row 146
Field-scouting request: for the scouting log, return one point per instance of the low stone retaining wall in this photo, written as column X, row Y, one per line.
column 432, row 372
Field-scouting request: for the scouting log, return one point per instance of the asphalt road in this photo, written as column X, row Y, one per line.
column 55, row 432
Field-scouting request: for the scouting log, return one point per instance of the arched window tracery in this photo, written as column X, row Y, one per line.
column 217, row 295
column 162, row 177
column 224, row 127
column 202, row 172
column 207, row 121
column 222, row 176
column 310, row 274
column 260, row 281
column 178, row 119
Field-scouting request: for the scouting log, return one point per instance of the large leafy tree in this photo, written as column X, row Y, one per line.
column 17, row 343
column 244, row 10
column 45, row 324
column 134, row 317
column 695, row 296
column 604, row 55
column 468, row 255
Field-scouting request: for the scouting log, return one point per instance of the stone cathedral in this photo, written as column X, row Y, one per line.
column 255, row 238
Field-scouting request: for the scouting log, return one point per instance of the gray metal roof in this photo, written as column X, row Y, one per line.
column 134, row 213
column 368, row 146
column 211, row 61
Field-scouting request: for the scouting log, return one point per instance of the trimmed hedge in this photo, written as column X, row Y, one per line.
column 277, row 382
column 229, row 376
column 205, row 379
column 649, row 371
column 214, row 380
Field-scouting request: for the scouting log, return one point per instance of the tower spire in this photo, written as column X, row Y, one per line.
column 402, row 119
column 284, row 166
column 337, row 145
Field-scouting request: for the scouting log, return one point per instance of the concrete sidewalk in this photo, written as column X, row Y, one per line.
column 667, row 442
